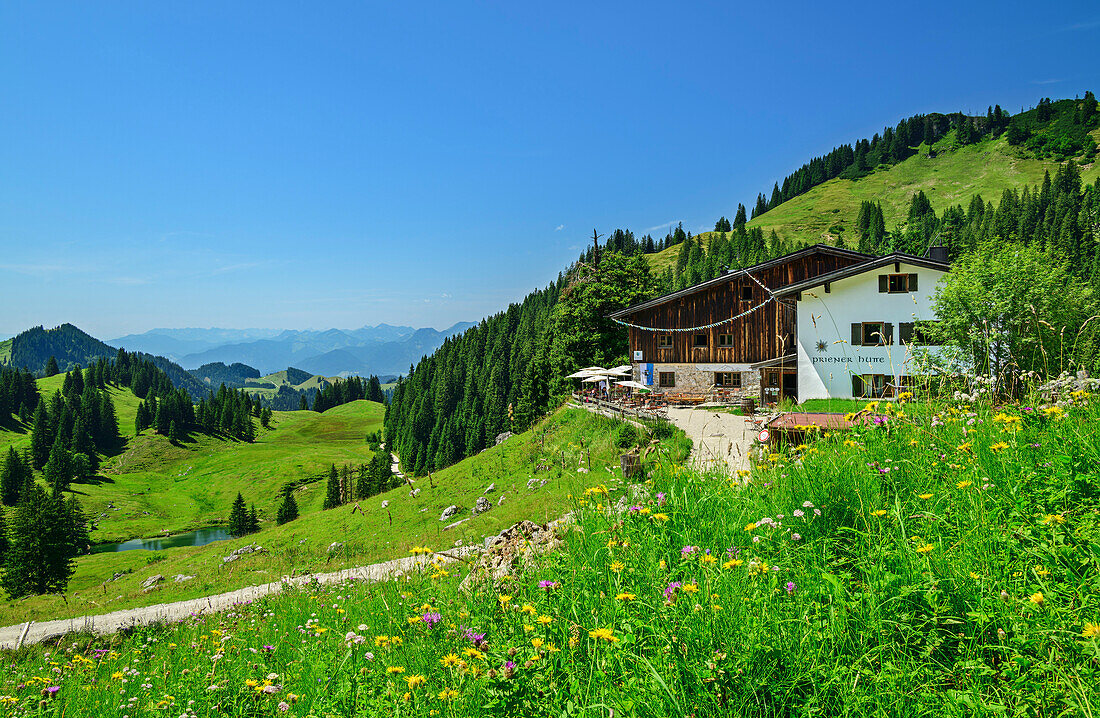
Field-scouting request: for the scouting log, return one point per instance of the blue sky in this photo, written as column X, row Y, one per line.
column 310, row 165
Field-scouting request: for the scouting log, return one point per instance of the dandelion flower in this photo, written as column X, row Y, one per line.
column 750, row 527
column 449, row 660
column 880, row 512
column 617, row 566
column 1091, row 630
column 605, row 634
column 732, row 563
column 415, row 681
column 925, row 548
column 1037, row 598
column 659, row 518
column 544, row 620
column 691, row 588
column 394, row 669
column 1053, row 519
column 625, row 597
column 925, row 496
column 964, row 484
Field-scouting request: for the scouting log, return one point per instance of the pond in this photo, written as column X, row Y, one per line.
column 199, row 537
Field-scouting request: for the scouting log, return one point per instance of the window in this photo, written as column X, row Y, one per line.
column 664, row 341
column 727, row 379
column 870, row 386
column 897, row 283
column 700, row 341
column 666, row 379
column 872, row 334
column 725, row 340
column 920, row 332
column 746, row 293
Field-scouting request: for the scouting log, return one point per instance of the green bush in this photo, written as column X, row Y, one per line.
column 626, row 436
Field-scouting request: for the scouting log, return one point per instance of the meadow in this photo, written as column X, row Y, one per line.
column 533, row 474
column 950, row 178
column 944, row 562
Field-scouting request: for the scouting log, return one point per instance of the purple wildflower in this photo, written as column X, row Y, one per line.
column 269, row 648
column 475, row 638
column 662, row 499
column 671, row 590
column 791, row 587
column 431, row 618
column 796, row 537
column 548, row 584
column 687, row 550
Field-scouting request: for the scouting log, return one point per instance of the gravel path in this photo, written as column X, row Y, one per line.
column 28, row 633
column 719, row 440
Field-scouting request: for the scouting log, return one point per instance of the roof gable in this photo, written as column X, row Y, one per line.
column 855, row 269
column 733, row 274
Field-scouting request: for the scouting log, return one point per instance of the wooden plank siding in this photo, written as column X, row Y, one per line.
column 764, row 334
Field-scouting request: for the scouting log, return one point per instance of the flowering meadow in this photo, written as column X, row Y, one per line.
column 940, row 562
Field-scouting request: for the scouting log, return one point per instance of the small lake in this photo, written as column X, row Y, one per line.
column 200, row 537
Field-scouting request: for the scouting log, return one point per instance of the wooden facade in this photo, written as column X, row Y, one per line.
column 766, row 333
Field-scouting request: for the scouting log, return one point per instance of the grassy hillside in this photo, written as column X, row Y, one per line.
column 571, row 435
column 280, row 379
column 933, row 566
column 952, row 177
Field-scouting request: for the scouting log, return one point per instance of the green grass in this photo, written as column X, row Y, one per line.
column 5, row 350
column 953, row 177
column 861, row 577
column 571, row 435
column 279, row 379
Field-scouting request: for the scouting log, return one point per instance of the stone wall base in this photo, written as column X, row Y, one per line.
column 699, row 378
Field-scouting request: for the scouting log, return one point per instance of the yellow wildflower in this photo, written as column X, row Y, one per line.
column 1091, row 630
column 732, row 563
column 544, row 620
column 1037, row 598
column 925, row 548
column 625, row 597
column 659, row 518
column 449, row 660
column 690, row 588
column 1053, row 519
column 415, row 680
column 880, row 512
column 603, row 633
column 750, row 527
column 528, row 609
column 964, row 484
column 925, row 496
column 536, row 642
column 394, row 669
column 707, row 558
column 1000, row 445
column 617, row 566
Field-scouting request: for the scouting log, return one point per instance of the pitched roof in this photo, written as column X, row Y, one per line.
column 855, row 269
column 730, row 274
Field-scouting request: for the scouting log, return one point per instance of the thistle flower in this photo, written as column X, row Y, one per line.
column 547, row 585
column 791, row 587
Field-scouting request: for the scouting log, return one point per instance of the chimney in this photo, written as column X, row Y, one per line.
column 937, row 254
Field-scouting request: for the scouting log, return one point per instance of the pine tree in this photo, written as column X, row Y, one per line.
column 173, row 432
column 288, row 510
column 332, row 492
column 253, row 520
column 303, row 404
column 3, row 536
column 238, row 517
column 40, row 558
column 740, row 220
column 78, row 527
column 51, row 367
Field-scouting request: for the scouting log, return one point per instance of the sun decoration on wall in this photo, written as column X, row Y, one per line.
column 822, row 346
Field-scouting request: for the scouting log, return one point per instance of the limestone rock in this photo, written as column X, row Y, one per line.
column 243, row 551
column 491, row 489
column 180, row 578
column 449, row 512
column 335, row 546
column 502, row 438
column 151, row 582
column 523, row 541
column 448, row 527
column 481, row 505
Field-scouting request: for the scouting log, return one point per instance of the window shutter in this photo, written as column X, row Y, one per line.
column 857, row 386
column 857, row 334
column 889, row 332
column 883, row 283
column 905, row 332
column 912, row 282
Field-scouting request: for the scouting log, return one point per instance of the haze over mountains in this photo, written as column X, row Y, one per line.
column 381, row 349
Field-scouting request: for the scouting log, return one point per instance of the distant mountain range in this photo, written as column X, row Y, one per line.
column 381, row 349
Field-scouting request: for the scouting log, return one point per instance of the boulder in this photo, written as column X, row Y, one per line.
column 502, row 438
column 243, row 551
column 414, row 493
column 151, row 582
column 448, row 527
column 449, row 512
column 522, row 542
column 335, row 546
column 180, row 578
column 481, row 505
column 491, row 489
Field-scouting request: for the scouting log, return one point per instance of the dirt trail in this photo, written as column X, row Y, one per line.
column 719, row 440
column 32, row 632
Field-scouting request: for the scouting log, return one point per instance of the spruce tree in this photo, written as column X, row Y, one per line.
column 58, row 471
column 40, row 559
column 41, row 436
column 303, row 404
column 51, row 367
column 141, row 421
column 12, row 477
column 253, row 520
column 288, row 510
column 78, row 527
column 238, row 517
column 3, row 536
column 332, row 491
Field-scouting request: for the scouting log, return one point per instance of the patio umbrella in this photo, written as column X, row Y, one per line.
column 579, row 374
column 595, row 379
column 623, row 370
column 594, row 369
column 634, row 385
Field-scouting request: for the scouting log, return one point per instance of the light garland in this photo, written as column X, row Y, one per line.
column 771, row 298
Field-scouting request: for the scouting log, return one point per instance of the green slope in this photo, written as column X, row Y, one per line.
column 952, row 177
column 571, row 437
